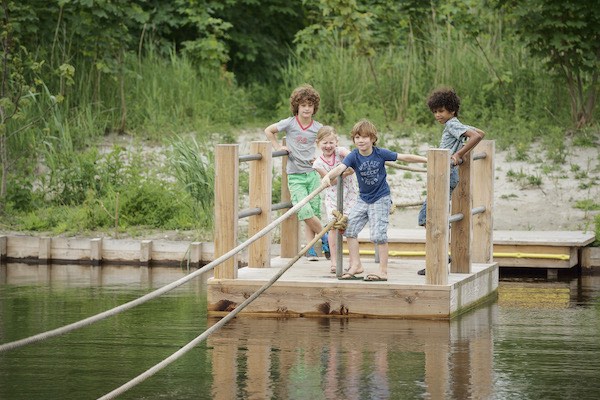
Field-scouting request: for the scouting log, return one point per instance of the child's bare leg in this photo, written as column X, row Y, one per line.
column 383, row 259
column 314, row 226
column 333, row 248
column 354, row 250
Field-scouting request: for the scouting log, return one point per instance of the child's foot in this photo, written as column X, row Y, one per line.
column 325, row 245
column 333, row 269
column 355, row 270
column 311, row 254
column 376, row 277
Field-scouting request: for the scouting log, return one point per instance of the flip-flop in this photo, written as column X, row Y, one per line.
column 374, row 278
column 349, row 277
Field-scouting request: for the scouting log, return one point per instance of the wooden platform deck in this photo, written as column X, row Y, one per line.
column 530, row 249
column 308, row 289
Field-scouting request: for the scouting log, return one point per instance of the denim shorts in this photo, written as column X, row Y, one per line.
column 378, row 216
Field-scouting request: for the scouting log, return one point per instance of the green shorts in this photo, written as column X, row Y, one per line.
column 301, row 185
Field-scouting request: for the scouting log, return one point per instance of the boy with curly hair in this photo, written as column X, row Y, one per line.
column 460, row 139
column 301, row 133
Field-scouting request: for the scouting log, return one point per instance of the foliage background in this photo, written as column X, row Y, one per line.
column 188, row 74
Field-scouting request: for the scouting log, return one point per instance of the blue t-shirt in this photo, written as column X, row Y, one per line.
column 370, row 172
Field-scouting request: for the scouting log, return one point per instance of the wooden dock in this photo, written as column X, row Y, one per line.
column 308, row 289
column 550, row 250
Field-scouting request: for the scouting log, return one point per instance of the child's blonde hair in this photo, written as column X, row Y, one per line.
column 325, row 131
column 364, row 128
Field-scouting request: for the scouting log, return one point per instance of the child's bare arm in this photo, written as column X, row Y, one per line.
column 334, row 173
column 411, row 158
column 321, row 171
column 474, row 136
column 348, row 171
column 271, row 134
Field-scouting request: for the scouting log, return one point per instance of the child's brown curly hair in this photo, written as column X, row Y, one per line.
column 444, row 97
column 365, row 128
column 304, row 94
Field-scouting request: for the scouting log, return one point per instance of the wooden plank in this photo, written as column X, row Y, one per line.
column 309, row 289
column 261, row 189
column 226, row 207
column 460, row 243
column 45, row 251
column 77, row 249
column 120, row 250
column 290, row 228
column 547, row 238
column 96, row 250
column 483, row 224
column 22, row 247
column 3, row 248
column 436, row 232
column 170, row 250
column 590, row 257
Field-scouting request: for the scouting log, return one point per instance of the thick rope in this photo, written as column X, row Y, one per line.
column 167, row 288
column 341, row 221
column 179, row 353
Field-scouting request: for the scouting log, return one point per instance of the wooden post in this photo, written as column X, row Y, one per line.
column 226, row 207
column 3, row 247
column 460, row 234
column 145, row 251
column 45, row 249
column 96, row 251
column 436, row 366
column 195, row 253
column 290, row 238
column 436, row 232
column 259, row 366
column 483, row 182
column 261, row 195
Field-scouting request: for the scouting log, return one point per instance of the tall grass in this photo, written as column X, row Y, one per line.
column 193, row 166
column 504, row 91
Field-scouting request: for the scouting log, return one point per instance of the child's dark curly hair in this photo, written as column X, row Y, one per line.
column 444, row 97
column 304, row 94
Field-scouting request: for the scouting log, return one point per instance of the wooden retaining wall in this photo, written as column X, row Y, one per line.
column 106, row 250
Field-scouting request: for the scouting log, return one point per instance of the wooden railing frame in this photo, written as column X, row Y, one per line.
column 472, row 228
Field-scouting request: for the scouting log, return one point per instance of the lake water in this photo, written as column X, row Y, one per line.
column 538, row 340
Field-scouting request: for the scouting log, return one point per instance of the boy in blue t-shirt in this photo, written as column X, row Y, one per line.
column 373, row 205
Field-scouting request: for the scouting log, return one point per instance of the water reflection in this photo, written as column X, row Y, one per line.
column 539, row 340
column 354, row 358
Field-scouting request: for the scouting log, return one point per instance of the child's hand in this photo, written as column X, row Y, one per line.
column 326, row 181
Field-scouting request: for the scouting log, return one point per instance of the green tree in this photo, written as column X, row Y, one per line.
column 566, row 35
column 20, row 85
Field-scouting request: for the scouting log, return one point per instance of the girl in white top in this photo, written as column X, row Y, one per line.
column 331, row 156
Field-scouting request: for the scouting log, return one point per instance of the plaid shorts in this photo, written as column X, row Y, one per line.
column 378, row 216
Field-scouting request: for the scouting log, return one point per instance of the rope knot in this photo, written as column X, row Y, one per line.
column 341, row 221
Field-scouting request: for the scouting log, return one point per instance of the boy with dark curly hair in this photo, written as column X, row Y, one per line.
column 301, row 134
column 460, row 139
